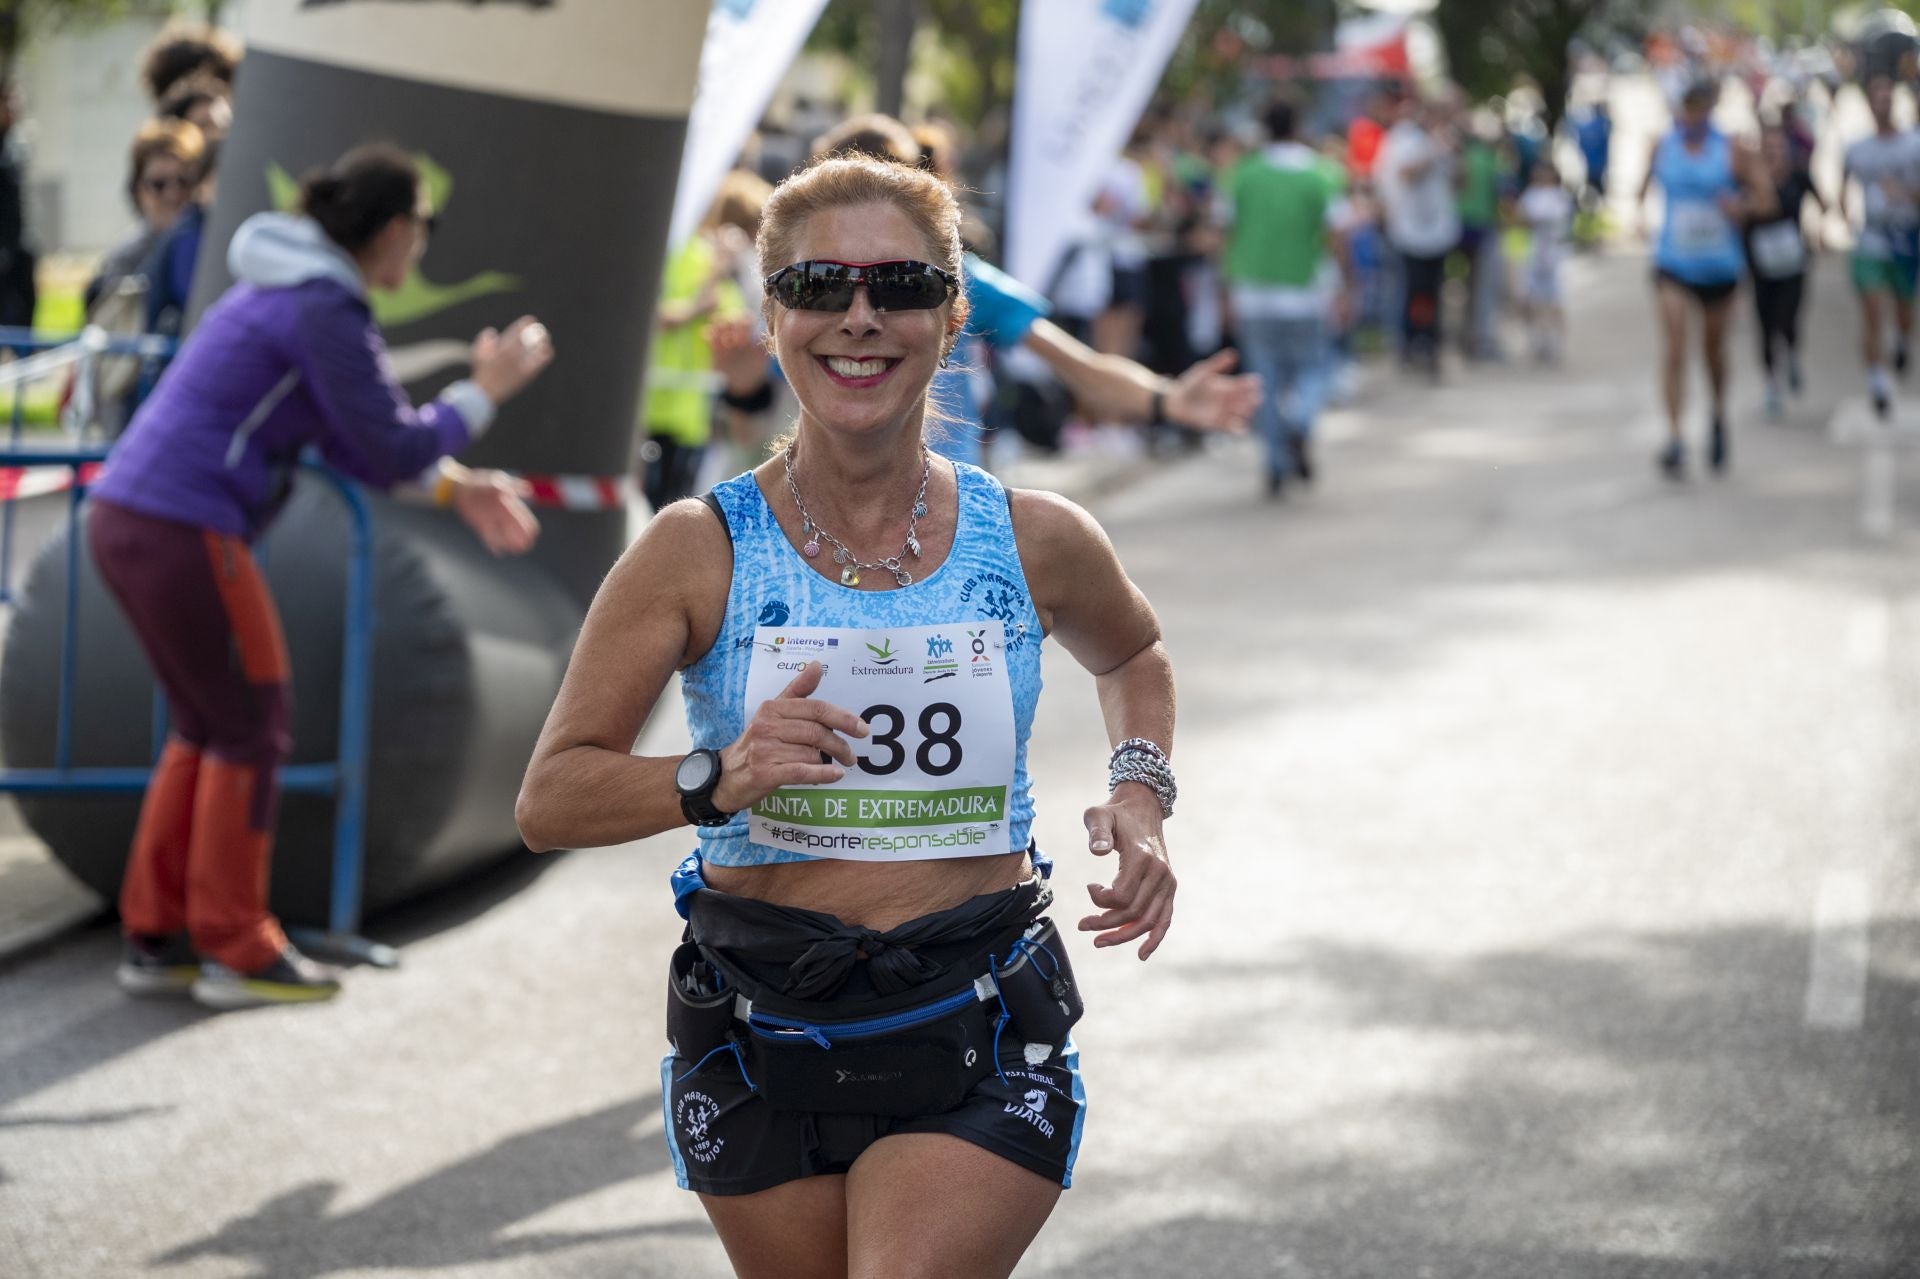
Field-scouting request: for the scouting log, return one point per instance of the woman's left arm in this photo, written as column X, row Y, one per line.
column 1087, row 602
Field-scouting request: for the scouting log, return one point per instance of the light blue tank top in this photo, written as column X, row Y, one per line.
column 1699, row 243
column 774, row 585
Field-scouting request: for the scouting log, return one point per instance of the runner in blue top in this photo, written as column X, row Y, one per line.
column 1698, row 259
column 1001, row 311
column 868, row 1021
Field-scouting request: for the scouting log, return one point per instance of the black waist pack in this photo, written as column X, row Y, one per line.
column 921, row 1058
column 918, row 1052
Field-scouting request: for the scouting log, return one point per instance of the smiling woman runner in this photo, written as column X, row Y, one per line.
column 871, row 1071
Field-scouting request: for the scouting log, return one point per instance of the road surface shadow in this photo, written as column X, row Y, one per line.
column 1614, row 1106
column 79, row 969
column 459, row 1215
column 1386, row 1248
column 463, row 900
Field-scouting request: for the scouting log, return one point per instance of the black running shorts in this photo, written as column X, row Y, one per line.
column 1707, row 295
column 727, row 1140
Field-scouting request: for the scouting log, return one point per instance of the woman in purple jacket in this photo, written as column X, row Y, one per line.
column 287, row 358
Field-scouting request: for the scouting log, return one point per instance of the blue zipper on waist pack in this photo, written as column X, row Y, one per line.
column 773, row 1026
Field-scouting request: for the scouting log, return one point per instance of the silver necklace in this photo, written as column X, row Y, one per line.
column 850, row 564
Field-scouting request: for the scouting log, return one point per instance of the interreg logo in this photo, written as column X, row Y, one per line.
column 1128, row 13
column 783, row 642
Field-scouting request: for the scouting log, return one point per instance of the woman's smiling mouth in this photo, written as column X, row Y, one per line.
column 858, row 374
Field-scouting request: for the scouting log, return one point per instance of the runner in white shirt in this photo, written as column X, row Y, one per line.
column 1415, row 175
column 1885, row 170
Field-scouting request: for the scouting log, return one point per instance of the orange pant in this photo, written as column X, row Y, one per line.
column 201, row 855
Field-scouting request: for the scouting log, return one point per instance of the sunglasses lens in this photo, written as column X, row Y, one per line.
column 828, row 286
column 905, row 288
column 817, row 286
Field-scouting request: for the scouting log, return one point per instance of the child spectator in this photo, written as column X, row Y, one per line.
column 1547, row 210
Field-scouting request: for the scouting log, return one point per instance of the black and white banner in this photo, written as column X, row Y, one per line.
column 1087, row 69
column 750, row 44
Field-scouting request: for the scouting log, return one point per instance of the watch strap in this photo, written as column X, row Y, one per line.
column 699, row 810
column 698, row 806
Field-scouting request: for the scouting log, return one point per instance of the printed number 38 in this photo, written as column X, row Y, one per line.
column 942, row 740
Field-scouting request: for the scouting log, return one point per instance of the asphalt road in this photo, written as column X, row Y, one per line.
column 1550, row 854
column 1550, row 908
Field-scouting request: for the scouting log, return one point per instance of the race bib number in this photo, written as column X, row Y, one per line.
column 1779, row 250
column 933, row 778
column 1699, row 228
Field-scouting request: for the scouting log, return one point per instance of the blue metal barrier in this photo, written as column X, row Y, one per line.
column 345, row 778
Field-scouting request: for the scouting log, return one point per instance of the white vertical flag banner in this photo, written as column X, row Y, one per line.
column 1086, row 71
column 749, row 46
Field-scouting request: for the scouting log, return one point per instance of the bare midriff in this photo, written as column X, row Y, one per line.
column 876, row 895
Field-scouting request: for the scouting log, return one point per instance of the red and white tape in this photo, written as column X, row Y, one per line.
column 560, row 492
column 37, row 481
column 580, row 492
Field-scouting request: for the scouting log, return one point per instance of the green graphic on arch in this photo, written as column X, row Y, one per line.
column 419, row 298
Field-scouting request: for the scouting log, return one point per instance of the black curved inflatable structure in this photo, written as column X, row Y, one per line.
column 468, row 653
column 551, row 136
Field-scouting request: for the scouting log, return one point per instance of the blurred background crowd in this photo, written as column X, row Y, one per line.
column 1461, row 151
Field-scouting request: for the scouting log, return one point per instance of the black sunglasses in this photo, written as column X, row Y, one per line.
column 891, row 286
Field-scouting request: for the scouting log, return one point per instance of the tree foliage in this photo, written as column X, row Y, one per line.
column 1490, row 44
column 976, row 44
column 1210, row 61
column 22, row 20
column 975, row 40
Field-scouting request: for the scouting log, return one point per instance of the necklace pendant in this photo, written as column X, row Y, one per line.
column 902, row 577
column 849, row 576
column 913, row 544
column 840, row 555
column 919, row 510
column 812, row 549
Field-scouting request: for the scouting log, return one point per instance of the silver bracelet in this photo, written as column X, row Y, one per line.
column 1142, row 761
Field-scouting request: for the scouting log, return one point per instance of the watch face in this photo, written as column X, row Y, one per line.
column 695, row 771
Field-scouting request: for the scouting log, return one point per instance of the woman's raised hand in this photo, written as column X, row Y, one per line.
column 792, row 740
column 504, row 363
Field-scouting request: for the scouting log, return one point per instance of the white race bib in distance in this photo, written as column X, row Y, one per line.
column 934, row 778
column 1700, row 228
column 1779, row 250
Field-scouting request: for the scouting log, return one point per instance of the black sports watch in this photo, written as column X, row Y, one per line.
column 695, row 779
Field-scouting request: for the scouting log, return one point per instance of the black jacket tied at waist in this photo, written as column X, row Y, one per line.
column 818, row 951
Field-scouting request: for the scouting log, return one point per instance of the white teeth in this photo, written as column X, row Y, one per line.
column 856, row 368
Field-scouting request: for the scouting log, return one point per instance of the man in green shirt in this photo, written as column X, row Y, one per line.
column 1287, row 271
column 1483, row 177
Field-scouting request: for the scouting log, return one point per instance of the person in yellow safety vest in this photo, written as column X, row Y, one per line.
column 678, row 408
